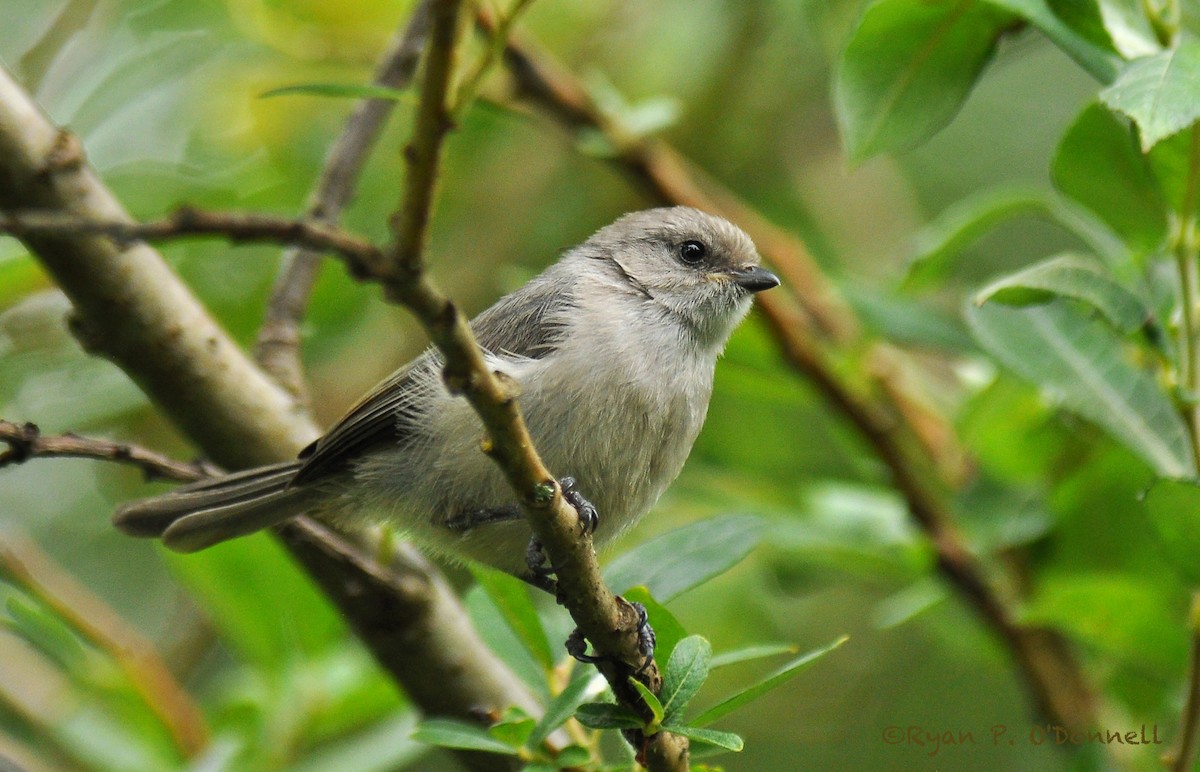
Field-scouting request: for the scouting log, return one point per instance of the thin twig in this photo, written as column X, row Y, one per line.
column 606, row 620
column 363, row 258
column 278, row 345
column 25, row 441
column 26, row 566
column 811, row 334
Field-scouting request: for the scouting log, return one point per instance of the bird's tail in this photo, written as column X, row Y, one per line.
column 204, row 513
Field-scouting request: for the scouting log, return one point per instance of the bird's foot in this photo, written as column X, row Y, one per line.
column 577, row 644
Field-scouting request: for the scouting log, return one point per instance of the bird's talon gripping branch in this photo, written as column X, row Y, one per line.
column 577, row 648
column 540, row 575
column 589, row 518
column 646, row 637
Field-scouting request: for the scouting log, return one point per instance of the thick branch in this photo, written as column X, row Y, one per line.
column 606, row 620
column 278, row 346
column 134, row 309
column 808, row 336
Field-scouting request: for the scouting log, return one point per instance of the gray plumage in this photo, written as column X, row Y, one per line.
column 613, row 346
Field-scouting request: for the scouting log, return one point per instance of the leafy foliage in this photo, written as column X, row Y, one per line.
column 1043, row 322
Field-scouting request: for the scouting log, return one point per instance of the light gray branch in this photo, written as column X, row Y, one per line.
column 131, row 307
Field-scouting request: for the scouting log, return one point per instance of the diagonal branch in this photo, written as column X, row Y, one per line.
column 130, row 306
column 278, row 345
column 606, row 620
column 814, row 332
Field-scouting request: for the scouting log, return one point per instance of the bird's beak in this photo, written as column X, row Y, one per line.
column 754, row 278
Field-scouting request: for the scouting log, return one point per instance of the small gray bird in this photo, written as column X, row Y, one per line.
column 613, row 347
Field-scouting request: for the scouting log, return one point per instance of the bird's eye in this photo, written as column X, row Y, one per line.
column 692, row 252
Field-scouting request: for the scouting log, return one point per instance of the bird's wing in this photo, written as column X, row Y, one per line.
column 527, row 324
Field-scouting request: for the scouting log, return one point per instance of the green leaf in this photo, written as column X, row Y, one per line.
column 1122, row 615
column 561, row 708
column 939, row 244
column 687, row 670
column 1081, row 361
column 727, row 740
column 1174, row 508
column 448, row 733
column 651, row 699
column 761, row 687
column 1099, row 165
column 1074, row 277
column 686, row 557
column 45, row 632
column 1096, row 59
column 1159, row 92
column 667, row 629
column 1128, row 29
column 1176, row 165
column 907, row 69
column 511, row 596
column 572, row 756
column 513, row 731
column 263, row 605
column 750, row 653
column 606, row 715
column 379, row 747
column 342, row 90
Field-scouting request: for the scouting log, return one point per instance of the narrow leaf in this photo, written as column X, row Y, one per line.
column 727, row 740
column 342, row 90
column 511, row 597
column 447, row 733
column 606, row 715
column 941, row 242
column 1098, row 60
column 650, row 698
column 1081, row 361
column 750, row 653
column 1098, row 164
column 759, row 688
column 686, row 557
column 561, row 708
column 907, row 69
column 1074, row 277
column 1159, row 92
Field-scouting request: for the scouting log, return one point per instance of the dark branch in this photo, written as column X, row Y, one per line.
column 25, row 441
column 606, row 620
column 363, row 258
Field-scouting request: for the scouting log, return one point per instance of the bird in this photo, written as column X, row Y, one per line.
column 613, row 348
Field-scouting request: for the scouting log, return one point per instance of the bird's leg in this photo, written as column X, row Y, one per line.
column 540, row 574
column 577, row 644
column 589, row 518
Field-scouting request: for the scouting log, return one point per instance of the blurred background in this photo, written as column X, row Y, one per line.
column 167, row 98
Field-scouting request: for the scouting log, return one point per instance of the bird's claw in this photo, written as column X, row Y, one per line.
column 589, row 518
column 577, row 645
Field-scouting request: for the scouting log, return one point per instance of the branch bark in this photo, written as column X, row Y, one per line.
column 131, row 307
column 813, row 332
column 607, row 621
